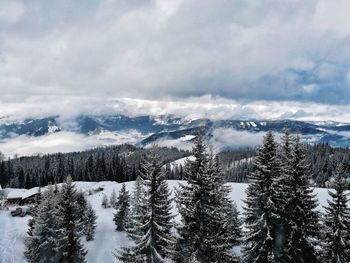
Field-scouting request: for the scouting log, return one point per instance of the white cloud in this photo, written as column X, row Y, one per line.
column 184, row 145
column 64, row 142
column 311, row 88
column 212, row 107
column 230, row 138
column 160, row 49
column 10, row 11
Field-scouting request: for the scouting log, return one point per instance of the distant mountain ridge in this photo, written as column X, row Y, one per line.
column 152, row 129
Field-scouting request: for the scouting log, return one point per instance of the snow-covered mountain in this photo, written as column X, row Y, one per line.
column 145, row 130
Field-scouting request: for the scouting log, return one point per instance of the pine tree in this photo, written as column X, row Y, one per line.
column 123, row 204
column 152, row 231
column 222, row 231
column 105, row 203
column 41, row 243
column 31, row 221
column 69, row 247
column 337, row 222
column 135, row 210
column 260, row 205
column 136, row 197
column 301, row 220
column 284, row 188
column 113, row 200
column 82, row 207
column 90, row 223
column 234, row 224
column 206, row 232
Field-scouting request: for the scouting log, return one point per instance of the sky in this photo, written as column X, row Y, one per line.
column 224, row 58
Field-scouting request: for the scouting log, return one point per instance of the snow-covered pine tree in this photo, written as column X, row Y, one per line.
column 31, row 221
column 284, row 188
column 206, row 232
column 188, row 199
column 235, row 223
column 113, row 199
column 41, row 243
column 302, row 220
column 90, row 223
column 136, row 197
column 82, row 207
column 69, row 247
column 221, row 229
column 135, row 210
column 152, row 231
column 105, row 203
column 336, row 247
column 260, row 205
column 123, row 209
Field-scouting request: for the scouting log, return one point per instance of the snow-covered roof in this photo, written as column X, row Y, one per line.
column 22, row 193
column 16, row 193
column 31, row 192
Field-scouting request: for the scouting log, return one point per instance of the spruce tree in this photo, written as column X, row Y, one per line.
column 105, row 203
column 284, row 188
column 31, row 221
column 123, row 206
column 221, row 224
column 69, row 247
column 90, row 223
column 113, row 199
column 336, row 247
column 152, row 231
column 82, row 207
column 301, row 220
column 234, row 224
column 135, row 210
column 206, row 232
column 260, row 205
column 41, row 244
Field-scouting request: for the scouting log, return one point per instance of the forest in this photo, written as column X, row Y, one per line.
column 281, row 223
column 122, row 163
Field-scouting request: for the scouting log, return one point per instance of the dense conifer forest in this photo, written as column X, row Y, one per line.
column 122, row 163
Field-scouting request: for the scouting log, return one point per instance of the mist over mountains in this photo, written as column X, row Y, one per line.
column 52, row 134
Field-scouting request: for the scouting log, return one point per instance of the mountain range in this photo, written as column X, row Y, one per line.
column 145, row 130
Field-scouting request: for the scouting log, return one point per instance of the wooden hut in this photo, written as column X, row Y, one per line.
column 22, row 196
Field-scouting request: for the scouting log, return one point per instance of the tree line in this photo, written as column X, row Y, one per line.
column 322, row 160
column 114, row 163
column 122, row 163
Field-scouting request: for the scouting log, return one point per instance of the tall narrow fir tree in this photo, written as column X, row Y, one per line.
column 261, row 205
column 153, row 230
column 336, row 247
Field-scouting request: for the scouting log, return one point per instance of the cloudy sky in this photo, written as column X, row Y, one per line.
column 228, row 58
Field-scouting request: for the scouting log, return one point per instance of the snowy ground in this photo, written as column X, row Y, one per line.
column 13, row 229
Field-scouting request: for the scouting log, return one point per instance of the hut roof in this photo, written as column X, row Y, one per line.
column 16, row 193
column 22, row 193
column 31, row 192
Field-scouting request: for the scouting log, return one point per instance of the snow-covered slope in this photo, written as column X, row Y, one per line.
column 13, row 229
column 180, row 162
